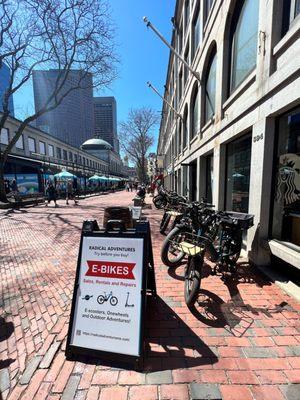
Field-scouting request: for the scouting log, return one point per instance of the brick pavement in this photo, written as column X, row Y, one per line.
column 242, row 342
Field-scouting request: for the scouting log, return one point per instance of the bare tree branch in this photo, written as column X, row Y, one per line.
column 136, row 137
column 65, row 35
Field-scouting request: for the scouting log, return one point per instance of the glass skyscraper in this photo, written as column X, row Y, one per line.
column 4, row 82
column 73, row 120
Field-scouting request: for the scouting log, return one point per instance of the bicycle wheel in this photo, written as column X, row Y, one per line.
column 164, row 222
column 171, row 255
column 192, row 280
column 101, row 299
column 159, row 202
column 113, row 301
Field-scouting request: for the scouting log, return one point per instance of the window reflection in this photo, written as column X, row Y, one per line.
column 210, row 89
column 244, row 43
column 195, row 114
column 196, row 33
column 238, row 174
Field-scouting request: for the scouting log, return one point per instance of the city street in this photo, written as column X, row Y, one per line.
column 243, row 341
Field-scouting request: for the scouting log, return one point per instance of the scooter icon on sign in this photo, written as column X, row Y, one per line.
column 127, row 304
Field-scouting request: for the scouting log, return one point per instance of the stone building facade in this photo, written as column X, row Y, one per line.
column 237, row 139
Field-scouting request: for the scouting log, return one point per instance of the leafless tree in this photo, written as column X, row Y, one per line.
column 137, row 137
column 65, row 35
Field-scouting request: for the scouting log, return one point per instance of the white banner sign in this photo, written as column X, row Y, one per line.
column 108, row 303
column 136, row 212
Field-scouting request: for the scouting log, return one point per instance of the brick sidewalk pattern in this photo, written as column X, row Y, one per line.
column 242, row 342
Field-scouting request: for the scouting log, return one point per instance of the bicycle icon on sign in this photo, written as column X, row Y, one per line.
column 107, row 297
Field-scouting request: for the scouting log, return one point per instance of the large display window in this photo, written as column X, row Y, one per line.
column 238, row 174
column 286, row 183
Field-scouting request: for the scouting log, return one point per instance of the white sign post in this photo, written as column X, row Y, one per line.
column 108, row 303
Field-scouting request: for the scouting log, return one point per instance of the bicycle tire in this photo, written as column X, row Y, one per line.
column 165, row 250
column 113, row 301
column 159, row 202
column 192, row 280
column 164, row 223
column 101, row 299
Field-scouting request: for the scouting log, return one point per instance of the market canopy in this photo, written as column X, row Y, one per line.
column 64, row 175
column 97, row 178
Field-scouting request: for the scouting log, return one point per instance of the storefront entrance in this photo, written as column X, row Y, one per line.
column 286, row 180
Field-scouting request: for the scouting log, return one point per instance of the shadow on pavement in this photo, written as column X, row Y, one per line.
column 6, row 330
column 235, row 315
column 171, row 344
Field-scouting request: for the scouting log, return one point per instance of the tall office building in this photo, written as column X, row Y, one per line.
column 73, row 120
column 4, row 82
column 105, row 114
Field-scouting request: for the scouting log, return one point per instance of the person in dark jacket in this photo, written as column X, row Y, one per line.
column 51, row 194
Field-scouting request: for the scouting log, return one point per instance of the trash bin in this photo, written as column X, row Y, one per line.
column 118, row 213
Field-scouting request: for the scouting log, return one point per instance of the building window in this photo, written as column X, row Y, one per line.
column 186, row 15
column 184, row 128
column 210, row 88
column 70, row 156
column 290, row 11
column 238, row 174
column 51, row 150
column 186, row 59
column 179, row 87
column 42, row 148
column 179, row 136
column 65, row 155
column 286, row 206
column 75, row 158
column 207, row 7
column 79, row 158
column 244, row 41
column 20, row 143
column 295, row 9
column 196, row 32
column 209, row 161
column 31, row 145
column 4, row 136
column 195, row 115
column 58, row 152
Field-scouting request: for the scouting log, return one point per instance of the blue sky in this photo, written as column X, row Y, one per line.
column 143, row 56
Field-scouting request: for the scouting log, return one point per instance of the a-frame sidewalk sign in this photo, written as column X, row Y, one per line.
column 115, row 271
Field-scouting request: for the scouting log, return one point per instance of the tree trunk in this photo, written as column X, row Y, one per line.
column 3, row 197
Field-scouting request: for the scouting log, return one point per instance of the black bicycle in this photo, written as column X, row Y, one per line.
column 223, row 251
column 198, row 218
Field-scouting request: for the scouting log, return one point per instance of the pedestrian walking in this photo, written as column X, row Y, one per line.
column 14, row 190
column 130, row 186
column 70, row 192
column 7, row 186
column 51, row 193
column 127, row 187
